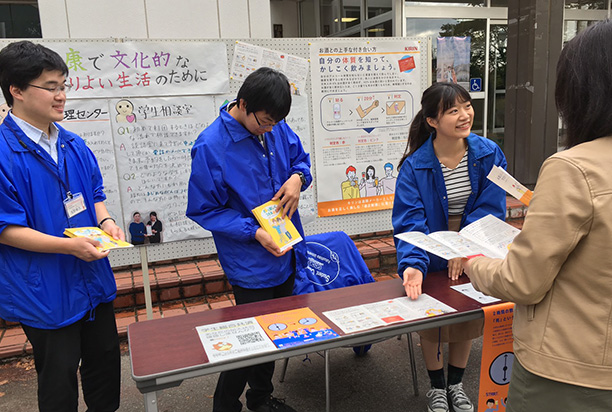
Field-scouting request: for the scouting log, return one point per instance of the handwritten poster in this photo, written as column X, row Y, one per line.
column 364, row 99
column 109, row 69
column 153, row 154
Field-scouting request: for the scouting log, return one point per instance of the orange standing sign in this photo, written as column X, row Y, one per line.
column 497, row 357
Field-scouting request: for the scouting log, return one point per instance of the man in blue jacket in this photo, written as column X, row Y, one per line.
column 60, row 289
column 247, row 157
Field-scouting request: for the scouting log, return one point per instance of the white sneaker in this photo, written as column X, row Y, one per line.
column 437, row 400
column 458, row 398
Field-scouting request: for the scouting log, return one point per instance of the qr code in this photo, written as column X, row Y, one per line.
column 249, row 338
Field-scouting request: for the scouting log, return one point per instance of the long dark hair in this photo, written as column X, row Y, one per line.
column 584, row 84
column 437, row 99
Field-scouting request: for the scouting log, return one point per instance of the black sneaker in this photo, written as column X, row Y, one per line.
column 274, row 405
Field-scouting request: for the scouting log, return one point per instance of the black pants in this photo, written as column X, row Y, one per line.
column 231, row 384
column 92, row 340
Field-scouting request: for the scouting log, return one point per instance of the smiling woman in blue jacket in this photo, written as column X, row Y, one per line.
column 442, row 185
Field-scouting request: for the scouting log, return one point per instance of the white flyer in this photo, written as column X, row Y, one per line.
column 468, row 290
column 234, row 339
column 373, row 315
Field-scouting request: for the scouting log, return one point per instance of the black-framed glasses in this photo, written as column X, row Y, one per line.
column 263, row 125
column 55, row 90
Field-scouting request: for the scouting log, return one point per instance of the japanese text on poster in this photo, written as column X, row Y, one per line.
column 364, row 100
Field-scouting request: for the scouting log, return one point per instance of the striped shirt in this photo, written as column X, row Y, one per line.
column 458, row 187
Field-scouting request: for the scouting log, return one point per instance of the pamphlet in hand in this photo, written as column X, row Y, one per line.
column 507, row 182
column 106, row 240
column 281, row 229
column 488, row 236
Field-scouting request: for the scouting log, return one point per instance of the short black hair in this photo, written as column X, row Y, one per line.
column 268, row 90
column 584, row 84
column 23, row 61
column 153, row 214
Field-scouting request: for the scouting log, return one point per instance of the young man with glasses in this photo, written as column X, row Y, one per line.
column 60, row 289
column 245, row 158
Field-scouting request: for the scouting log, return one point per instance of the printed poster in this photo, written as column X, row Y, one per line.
column 295, row 327
column 233, row 339
column 248, row 58
column 497, row 357
column 453, row 60
column 364, row 99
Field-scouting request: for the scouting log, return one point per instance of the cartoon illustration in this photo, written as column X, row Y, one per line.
column 386, row 185
column 364, row 112
column 350, row 187
column 396, row 107
column 4, row 109
column 125, row 112
column 369, row 182
column 222, row 346
column 492, row 405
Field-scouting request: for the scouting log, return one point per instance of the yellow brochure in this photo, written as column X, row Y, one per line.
column 107, row 241
column 281, row 229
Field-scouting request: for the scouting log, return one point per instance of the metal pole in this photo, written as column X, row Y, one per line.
column 144, row 263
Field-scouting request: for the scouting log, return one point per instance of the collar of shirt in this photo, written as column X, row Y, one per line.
column 49, row 143
column 236, row 130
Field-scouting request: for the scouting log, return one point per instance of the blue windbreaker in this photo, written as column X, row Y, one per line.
column 231, row 174
column 47, row 290
column 421, row 205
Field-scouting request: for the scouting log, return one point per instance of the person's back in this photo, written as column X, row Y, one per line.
column 547, row 333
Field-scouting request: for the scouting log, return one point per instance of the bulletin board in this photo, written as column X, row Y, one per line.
column 149, row 116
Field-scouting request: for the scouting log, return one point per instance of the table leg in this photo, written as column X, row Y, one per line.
column 150, row 399
column 327, row 394
column 415, row 383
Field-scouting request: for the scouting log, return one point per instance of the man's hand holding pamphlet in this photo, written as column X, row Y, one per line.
column 107, row 242
column 488, row 236
column 281, row 228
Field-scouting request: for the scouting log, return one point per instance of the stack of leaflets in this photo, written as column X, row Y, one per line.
column 281, row 229
column 107, row 242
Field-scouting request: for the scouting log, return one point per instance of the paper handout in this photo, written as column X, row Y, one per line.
column 488, row 236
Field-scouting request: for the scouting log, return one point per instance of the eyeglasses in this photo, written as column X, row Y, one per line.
column 55, row 90
column 265, row 126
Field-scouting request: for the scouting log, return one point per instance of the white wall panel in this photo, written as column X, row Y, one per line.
column 187, row 19
column 234, row 18
column 285, row 13
column 53, row 19
column 89, row 19
column 259, row 19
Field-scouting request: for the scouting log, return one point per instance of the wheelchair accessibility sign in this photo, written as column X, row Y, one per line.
column 475, row 84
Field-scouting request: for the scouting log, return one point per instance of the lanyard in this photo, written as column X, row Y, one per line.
column 51, row 169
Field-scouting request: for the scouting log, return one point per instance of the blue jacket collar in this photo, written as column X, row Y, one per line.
column 236, row 131
column 425, row 157
column 10, row 128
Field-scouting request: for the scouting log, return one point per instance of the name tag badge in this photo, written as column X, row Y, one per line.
column 74, row 205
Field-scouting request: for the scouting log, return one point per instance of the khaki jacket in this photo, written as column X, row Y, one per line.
column 559, row 270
